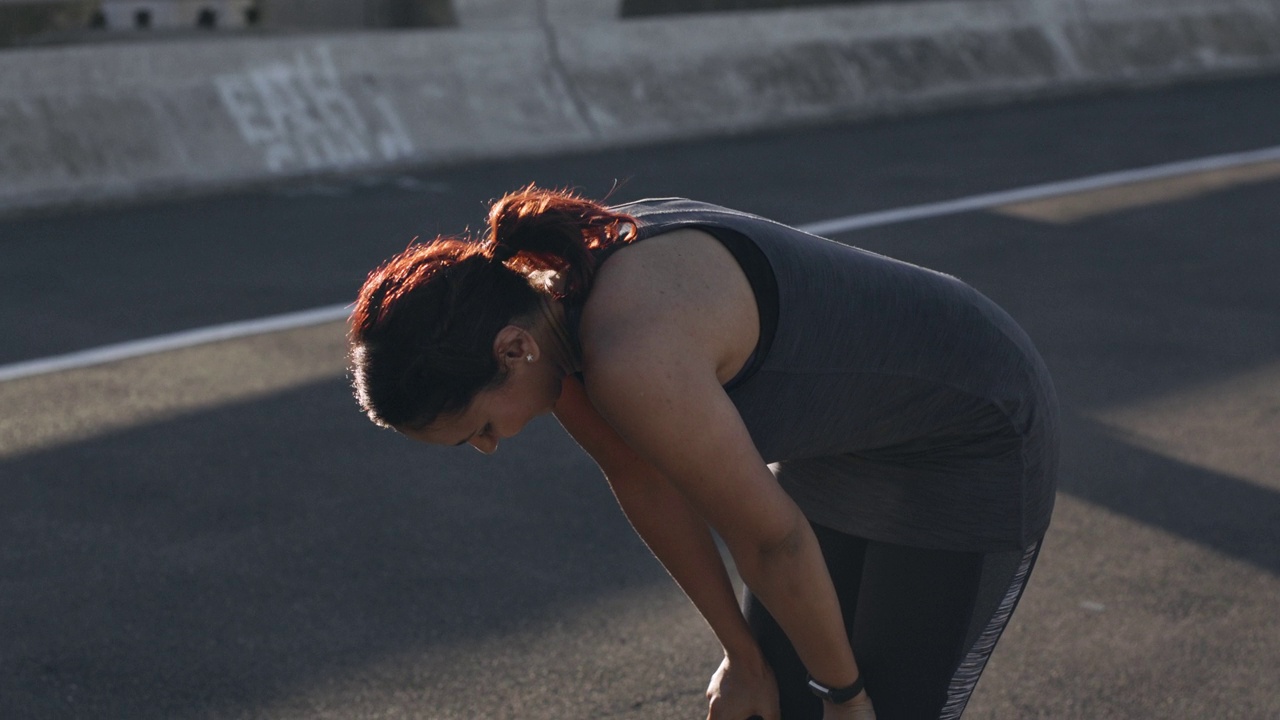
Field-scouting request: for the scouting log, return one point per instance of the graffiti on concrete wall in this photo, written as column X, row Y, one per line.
column 303, row 119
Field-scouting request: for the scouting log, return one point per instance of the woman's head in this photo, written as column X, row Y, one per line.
column 422, row 335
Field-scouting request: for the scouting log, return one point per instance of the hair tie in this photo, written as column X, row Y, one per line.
column 502, row 253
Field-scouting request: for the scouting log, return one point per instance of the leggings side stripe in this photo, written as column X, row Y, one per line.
column 970, row 668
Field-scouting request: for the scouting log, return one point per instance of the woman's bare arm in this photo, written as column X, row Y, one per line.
column 677, row 536
column 668, row 321
column 662, row 396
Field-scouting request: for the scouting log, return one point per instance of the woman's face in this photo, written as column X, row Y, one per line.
column 529, row 390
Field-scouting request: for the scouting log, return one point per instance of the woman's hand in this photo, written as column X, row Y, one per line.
column 739, row 692
column 858, row 708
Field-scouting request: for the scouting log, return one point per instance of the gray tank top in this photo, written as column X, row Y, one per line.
column 893, row 402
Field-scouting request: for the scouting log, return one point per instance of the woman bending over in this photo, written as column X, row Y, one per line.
column 875, row 443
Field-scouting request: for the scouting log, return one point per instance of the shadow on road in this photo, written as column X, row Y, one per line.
column 224, row 559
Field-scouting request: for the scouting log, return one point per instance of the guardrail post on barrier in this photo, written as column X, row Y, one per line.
column 177, row 14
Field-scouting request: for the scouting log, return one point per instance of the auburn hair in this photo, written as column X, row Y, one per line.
column 421, row 334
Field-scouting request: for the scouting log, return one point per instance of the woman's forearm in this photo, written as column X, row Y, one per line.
column 679, row 420
column 792, row 581
column 665, row 520
column 683, row 543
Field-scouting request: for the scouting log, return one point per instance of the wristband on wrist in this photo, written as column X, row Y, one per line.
column 836, row 695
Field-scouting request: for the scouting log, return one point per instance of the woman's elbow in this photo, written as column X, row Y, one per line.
column 780, row 542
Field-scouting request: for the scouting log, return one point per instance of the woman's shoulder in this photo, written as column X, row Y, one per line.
column 677, row 288
column 658, row 275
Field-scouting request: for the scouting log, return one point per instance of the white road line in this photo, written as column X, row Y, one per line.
column 290, row 321
column 173, row 341
column 1038, row 192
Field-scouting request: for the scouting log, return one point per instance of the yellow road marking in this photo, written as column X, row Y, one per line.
column 1073, row 207
column 1230, row 426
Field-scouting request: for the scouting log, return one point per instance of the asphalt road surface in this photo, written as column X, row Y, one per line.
column 215, row 532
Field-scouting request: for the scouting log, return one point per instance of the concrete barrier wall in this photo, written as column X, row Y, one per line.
column 114, row 121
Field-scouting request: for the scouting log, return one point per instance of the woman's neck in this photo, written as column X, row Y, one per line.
column 563, row 349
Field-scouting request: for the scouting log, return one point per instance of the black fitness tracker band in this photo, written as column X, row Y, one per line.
column 836, row 695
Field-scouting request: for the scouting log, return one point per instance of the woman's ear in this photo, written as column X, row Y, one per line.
column 514, row 344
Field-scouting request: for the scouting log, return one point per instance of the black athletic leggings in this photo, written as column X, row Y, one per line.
column 922, row 624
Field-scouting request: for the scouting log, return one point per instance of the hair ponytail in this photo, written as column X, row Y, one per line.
column 421, row 334
column 556, row 230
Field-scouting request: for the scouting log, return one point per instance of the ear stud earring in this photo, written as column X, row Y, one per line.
column 528, row 358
